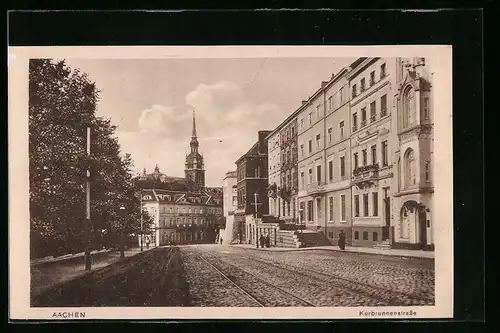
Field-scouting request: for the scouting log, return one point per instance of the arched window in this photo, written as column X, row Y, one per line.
column 409, row 115
column 410, row 168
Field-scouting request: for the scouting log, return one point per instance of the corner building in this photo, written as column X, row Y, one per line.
column 252, row 184
column 413, row 155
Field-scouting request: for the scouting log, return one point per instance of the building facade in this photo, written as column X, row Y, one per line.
column 184, row 210
column 413, row 155
column 230, row 193
column 252, row 185
column 371, row 106
column 183, row 218
column 283, row 174
column 337, row 181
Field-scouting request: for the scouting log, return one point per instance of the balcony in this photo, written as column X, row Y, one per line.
column 355, row 128
column 316, row 188
column 364, row 176
column 363, row 123
column 372, row 119
column 383, row 112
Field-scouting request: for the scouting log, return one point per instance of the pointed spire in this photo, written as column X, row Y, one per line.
column 157, row 169
column 194, row 127
column 144, row 172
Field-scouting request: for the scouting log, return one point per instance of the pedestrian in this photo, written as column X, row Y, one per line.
column 342, row 240
column 221, row 241
column 147, row 243
column 262, row 241
column 268, row 241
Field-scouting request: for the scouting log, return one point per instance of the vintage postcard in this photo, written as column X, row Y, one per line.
column 230, row 182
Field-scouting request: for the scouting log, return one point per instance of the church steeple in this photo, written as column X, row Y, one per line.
column 194, row 161
column 194, row 140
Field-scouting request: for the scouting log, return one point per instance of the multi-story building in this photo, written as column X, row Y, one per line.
column 324, row 157
column 252, row 184
column 184, row 210
column 183, row 217
column 283, row 175
column 413, row 151
column 372, row 84
column 230, row 193
column 337, row 181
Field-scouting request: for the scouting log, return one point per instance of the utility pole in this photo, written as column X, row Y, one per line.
column 88, row 262
column 256, row 205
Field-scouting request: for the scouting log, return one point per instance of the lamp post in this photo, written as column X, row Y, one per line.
column 255, row 195
column 122, row 236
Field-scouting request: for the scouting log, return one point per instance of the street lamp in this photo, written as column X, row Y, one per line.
column 122, row 236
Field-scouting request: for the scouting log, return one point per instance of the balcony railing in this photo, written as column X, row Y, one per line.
column 355, row 128
column 372, row 119
column 364, row 175
column 363, row 123
column 316, row 188
column 383, row 112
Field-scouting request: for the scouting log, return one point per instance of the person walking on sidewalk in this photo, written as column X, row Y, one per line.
column 221, row 241
column 261, row 241
column 342, row 240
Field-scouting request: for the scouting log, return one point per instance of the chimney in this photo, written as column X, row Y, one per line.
column 304, row 102
column 324, row 83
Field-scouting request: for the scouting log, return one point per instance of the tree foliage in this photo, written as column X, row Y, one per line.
column 62, row 104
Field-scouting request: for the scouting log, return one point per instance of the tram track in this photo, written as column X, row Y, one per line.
column 263, row 295
column 391, row 297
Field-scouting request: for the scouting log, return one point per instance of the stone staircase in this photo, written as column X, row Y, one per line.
column 384, row 245
column 287, row 238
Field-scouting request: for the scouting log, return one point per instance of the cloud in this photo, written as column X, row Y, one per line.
column 226, row 124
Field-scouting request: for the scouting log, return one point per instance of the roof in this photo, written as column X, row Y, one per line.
column 323, row 87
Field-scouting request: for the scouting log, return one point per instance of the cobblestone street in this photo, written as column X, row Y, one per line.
column 306, row 278
column 223, row 276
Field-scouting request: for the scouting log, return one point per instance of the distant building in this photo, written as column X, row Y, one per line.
column 230, row 193
column 252, row 185
column 185, row 211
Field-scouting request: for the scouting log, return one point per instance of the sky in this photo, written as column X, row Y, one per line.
column 152, row 102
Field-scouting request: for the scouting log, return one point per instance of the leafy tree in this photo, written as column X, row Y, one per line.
column 62, row 103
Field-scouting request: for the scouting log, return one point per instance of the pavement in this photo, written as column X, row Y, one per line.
column 47, row 275
column 353, row 249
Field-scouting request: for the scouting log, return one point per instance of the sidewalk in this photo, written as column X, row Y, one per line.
column 46, row 276
column 367, row 250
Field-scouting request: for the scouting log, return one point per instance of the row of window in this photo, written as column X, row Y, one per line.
column 365, row 235
column 331, row 209
column 332, row 103
column 362, row 83
column 373, row 113
column 373, row 149
column 356, row 235
column 163, row 209
column 318, row 139
column 318, row 174
column 365, row 204
column 178, row 221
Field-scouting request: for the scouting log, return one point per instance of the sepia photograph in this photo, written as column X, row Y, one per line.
column 223, row 179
